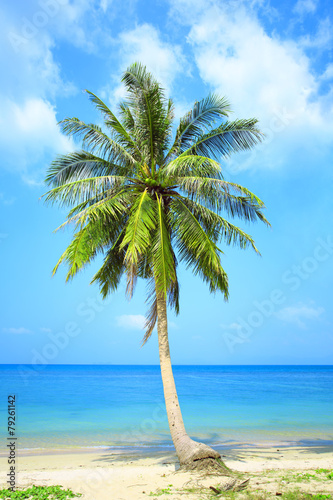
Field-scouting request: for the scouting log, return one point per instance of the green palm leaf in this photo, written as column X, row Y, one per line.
column 215, row 193
column 191, row 164
column 162, row 254
column 141, row 223
column 145, row 201
column 193, row 124
column 196, row 248
column 79, row 165
column 146, row 99
column 111, row 121
column 94, row 139
column 113, row 208
column 219, row 228
column 228, row 138
column 84, row 247
column 85, row 189
column 109, row 275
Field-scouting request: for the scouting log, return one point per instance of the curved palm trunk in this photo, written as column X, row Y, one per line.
column 188, row 451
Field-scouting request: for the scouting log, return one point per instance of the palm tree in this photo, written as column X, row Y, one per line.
column 146, row 202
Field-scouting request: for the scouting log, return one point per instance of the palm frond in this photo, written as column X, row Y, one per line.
column 217, row 195
column 200, row 118
column 146, row 99
column 151, row 300
column 111, row 209
column 141, row 222
column 151, row 316
column 97, row 142
column 112, row 121
column 127, row 118
column 228, row 138
column 79, row 165
column 109, row 275
column 82, row 190
column 164, row 265
column 83, row 248
column 173, row 295
column 186, row 165
column 132, row 277
column 145, row 205
column 196, row 248
column 218, row 228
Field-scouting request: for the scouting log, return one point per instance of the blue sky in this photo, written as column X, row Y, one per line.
column 273, row 60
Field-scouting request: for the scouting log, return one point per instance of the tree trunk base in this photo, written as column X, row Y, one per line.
column 208, row 465
column 194, row 456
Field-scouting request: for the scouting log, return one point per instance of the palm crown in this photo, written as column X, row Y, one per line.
column 146, row 201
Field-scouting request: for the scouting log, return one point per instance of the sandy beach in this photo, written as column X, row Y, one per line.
column 105, row 475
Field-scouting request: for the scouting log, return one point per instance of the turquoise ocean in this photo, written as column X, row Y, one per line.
column 83, row 406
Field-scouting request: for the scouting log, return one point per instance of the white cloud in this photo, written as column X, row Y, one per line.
column 104, row 4
column 20, row 330
column 187, row 11
column 29, row 135
column 131, row 321
column 5, row 200
column 231, row 326
column 30, row 66
column 166, row 61
column 299, row 314
column 70, row 23
column 45, row 330
column 323, row 37
column 66, row 19
column 305, row 7
column 144, row 44
column 137, row 322
column 264, row 77
column 230, row 60
column 328, row 73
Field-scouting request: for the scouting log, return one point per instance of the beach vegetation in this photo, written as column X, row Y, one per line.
column 39, row 493
column 316, row 475
column 263, row 495
column 250, row 489
column 299, row 477
column 299, row 495
column 162, row 491
column 148, row 199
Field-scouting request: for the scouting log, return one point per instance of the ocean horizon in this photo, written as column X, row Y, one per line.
column 122, row 406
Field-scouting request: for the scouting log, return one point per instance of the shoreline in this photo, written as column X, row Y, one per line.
column 157, row 450
column 106, row 474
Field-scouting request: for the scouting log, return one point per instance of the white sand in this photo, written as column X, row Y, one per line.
column 104, row 475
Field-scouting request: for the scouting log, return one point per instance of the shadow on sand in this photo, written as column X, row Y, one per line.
column 230, row 450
